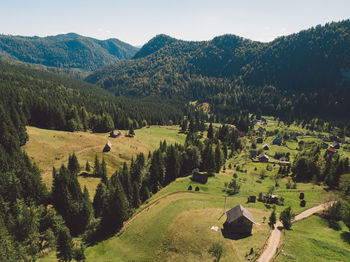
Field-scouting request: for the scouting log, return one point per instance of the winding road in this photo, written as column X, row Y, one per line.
column 275, row 236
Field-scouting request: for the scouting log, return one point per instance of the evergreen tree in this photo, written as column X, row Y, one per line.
column 103, row 170
column 157, row 171
column 87, row 166
column 97, row 168
column 131, row 131
column 73, row 164
column 172, row 170
column 100, row 199
column 272, row 218
column 218, row 159
column 210, row 134
column 286, row 217
column 64, row 248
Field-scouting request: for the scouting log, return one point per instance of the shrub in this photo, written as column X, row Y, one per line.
column 301, row 196
column 303, row 203
column 197, row 188
column 189, row 188
column 216, row 250
column 286, row 218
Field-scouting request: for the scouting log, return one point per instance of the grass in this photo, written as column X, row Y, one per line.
column 178, row 228
column 51, row 148
column 312, row 240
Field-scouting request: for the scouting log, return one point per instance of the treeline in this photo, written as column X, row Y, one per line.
column 297, row 77
column 54, row 102
column 317, row 165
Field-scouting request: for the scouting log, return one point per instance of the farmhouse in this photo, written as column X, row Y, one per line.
column 107, row 147
column 266, row 147
column 114, row 133
column 263, row 157
column 239, row 220
column 200, row 178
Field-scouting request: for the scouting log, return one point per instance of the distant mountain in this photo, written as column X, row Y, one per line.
column 304, row 74
column 65, row 51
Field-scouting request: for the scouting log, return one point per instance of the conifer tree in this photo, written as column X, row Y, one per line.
column 87, row 166
column 100, row 199
column 103, row 170
column 210, row 134
column 64, row 245
column 73, row 164
column 173, row 165
column 218, row 159
column 97, row 167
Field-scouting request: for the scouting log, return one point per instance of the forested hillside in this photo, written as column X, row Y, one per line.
column 67, row 51
column 300, row 76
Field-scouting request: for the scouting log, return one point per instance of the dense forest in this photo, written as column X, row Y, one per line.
column 300, row 76
column 67, row 52
column 56, row 102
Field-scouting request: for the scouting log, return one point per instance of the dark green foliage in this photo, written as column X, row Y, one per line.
column 293, row 77
column 233, row 187
column 172, row 164
column 87, row 166
column 99, row 199
column 189, row 187
column 70, row 202
column 79, row 253
column 196, row 189
column 73, row 164
column 286, row 217
column 301, row 195
column 303, row 203
column 210, row 134
column 64, row 248
column 216, row 250
column 272, row 218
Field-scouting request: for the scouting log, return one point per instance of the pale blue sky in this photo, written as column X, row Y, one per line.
column 136, row 21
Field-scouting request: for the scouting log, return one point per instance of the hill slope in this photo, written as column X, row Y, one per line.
column 66, row 51
column 301, row 75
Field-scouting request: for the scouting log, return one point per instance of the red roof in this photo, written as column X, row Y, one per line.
column 332, row 150
column 241, row 133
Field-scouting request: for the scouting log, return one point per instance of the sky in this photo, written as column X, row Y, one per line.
column 136, row 21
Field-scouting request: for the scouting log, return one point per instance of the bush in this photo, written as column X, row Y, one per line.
column 301, row 196
column 286, row 218
column 189, row 188
column 303, row 203
column 216, row 250
column 197, row 188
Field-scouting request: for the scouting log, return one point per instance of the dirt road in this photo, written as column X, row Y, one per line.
column 274, row 239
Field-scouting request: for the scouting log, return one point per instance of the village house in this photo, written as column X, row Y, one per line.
column 263, row 157
column 114, row 133
column 239, row 220
column 331, row 151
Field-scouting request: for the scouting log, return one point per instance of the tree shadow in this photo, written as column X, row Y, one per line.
column 234, row 236
column 345, row 236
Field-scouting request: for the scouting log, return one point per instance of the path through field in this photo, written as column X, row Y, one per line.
column 274, row 239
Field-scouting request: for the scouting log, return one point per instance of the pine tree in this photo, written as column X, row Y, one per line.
column 157, row 171
column 272, row 218
column 131, row 131
column 286, row 218
column 87, row 166
column 218, row 159
column 100, row 199
column 64, row 245
column 172, row 170
column 97, row 168
column 103, row 170
column 73, row 164
column 210, row 134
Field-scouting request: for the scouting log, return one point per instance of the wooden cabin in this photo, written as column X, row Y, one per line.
column 239, row 220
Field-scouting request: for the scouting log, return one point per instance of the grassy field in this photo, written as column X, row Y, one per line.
column 177, row 228
column 175, row 224
column 312, row 240
column 51, row 148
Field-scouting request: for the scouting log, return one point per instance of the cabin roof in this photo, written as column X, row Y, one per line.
column 237, row 212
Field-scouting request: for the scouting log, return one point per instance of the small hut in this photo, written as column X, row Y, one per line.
column 200, row 178
column 107, row 147
column 114, row 133
column 266, row 147
column 239, row 220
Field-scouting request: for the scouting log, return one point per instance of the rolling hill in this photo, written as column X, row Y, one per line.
column 66, row 51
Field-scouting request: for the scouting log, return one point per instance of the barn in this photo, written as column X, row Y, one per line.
column 200, row 178
column 239, row 221
column 114, row 133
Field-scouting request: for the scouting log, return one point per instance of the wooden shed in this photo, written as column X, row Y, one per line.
column 114, row 133
column 239, row 220
column 107, row 147
column 200, row 178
